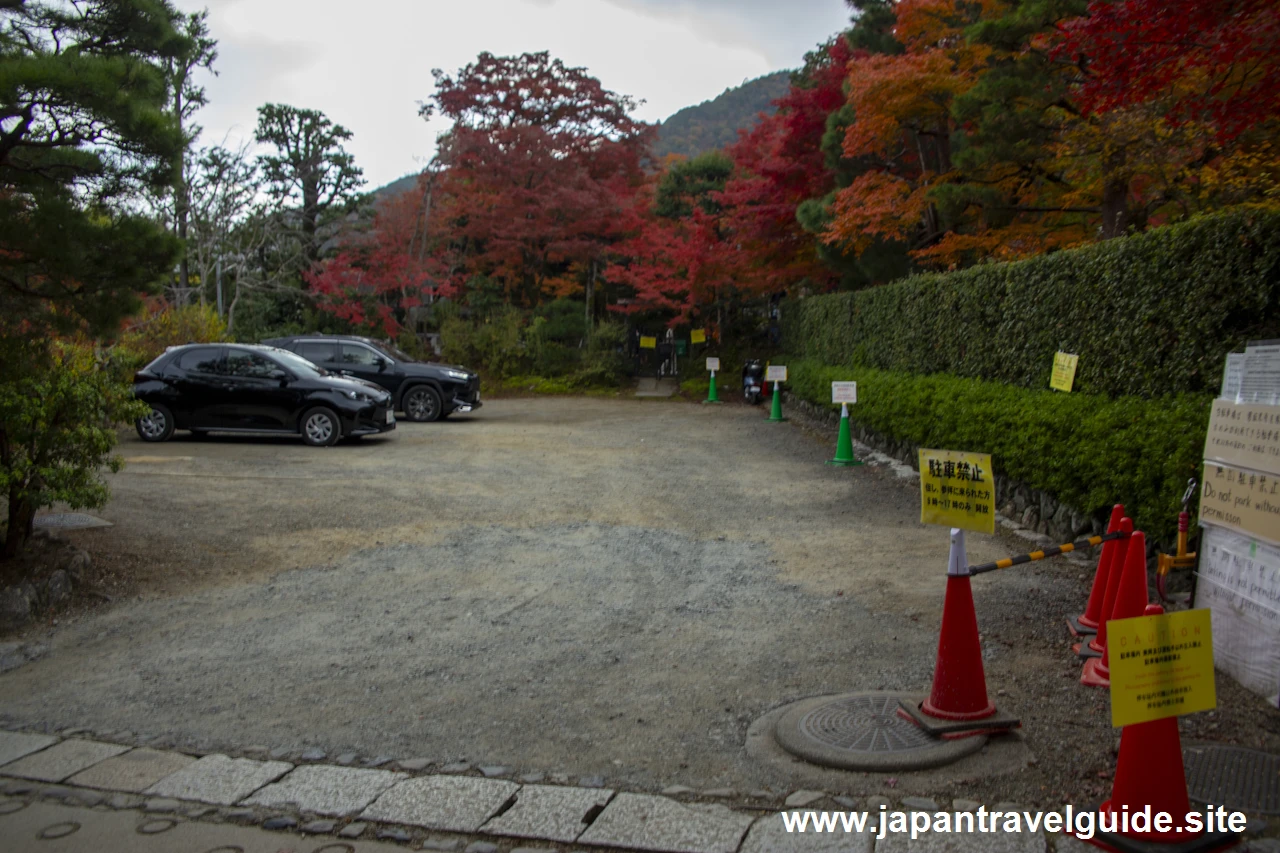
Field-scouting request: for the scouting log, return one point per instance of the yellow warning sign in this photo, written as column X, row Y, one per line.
column 648, row 343
column 1161, row 666
column 1064, row 371
column 957, row 489
column 698, row 336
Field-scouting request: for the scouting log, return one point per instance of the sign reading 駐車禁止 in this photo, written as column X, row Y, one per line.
column 775, row 373
column 1245, row 501
column 1064, row 371
column 844, row 392
column 713, row 364
column 1161, row 666
column 957, row 490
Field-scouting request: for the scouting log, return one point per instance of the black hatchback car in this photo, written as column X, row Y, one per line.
column 424, row 391
column 247, row 388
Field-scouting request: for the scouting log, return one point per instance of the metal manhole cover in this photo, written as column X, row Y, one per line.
column 864, row 731
column 1240, row 779
column 68, row 520
column 863, row 724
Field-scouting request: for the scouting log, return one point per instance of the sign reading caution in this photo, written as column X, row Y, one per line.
column 1064, row 371
column 957, row 489
column 698, row 336
column 648, row 343
column 1161, row 666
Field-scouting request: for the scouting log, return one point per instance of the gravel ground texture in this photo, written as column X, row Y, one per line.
column 585, row 587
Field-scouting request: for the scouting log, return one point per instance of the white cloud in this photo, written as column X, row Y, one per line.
column 367, row 65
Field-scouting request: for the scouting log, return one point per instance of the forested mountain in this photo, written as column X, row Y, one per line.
column 715, row 123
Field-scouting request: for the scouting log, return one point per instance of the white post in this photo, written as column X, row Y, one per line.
column 958, row 561
column 844, row 411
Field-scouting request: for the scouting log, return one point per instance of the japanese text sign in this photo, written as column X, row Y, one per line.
column 648, row 343
column 1244, row 434
column 1161, row 666
column 698, row 336
column 1064, row 371
column 713, row 364
column 1245, row 501
column 775, row 373
column 844, row 392
column 957, row 489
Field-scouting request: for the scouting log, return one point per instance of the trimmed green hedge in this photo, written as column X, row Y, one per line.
column 1088, row 452
column 1149, row 315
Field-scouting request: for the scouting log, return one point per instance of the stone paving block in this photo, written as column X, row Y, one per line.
column 219, row 780
column 769, row 835
column 335, row 791
column 549, row 812
column 964, row 842
column 134, row 771
column 646, row 822
column 452, row 803
column 62, row 760
column 14, row 745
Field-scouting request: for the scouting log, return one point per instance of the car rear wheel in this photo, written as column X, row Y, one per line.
column 320, row 428
column 157, row 425
column 422, row 404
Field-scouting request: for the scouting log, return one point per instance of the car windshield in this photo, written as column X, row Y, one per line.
column 394, row 352
column 299, row 365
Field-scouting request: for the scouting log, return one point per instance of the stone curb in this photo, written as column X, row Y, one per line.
column 681, row 820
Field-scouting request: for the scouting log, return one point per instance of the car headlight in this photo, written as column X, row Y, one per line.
column 459, row 375
column 357, row 396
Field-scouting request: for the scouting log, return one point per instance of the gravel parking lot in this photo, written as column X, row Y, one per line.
column 591, row 587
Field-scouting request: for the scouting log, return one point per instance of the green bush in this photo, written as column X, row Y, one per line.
column 1087, row 451
column 1149, row 315
column 59, row 403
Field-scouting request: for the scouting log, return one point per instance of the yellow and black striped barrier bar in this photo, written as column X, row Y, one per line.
column 1091, row 542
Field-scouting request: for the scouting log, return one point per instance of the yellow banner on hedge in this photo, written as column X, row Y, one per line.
column 648, row 343
column 1064, row 371
column 698, row 336
column 1161, row 666
column 957, row 489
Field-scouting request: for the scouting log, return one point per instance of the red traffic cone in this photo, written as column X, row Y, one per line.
column 1088, row 622
column 1099, row 642
column 1131, row 600
column 1150, row 777
column 959, row 683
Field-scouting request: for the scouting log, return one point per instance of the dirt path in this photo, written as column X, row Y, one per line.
column 563, row 585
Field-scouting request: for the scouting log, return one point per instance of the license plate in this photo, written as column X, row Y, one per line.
column 391, row 416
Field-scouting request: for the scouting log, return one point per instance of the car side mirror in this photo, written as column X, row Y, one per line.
column 279, row 375
column 383, row 364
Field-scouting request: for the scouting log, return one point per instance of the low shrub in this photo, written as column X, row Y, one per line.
column 163, row 326
column 1087, row 451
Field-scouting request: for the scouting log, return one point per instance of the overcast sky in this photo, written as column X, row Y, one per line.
column 367, row 63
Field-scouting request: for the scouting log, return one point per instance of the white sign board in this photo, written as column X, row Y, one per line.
column 1231, row 376
column 775, row 373
column 1240, row 584
column 844, row 392
column 1260, row 380
column 713, row 364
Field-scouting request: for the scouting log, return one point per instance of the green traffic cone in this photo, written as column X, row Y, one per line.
column 711, row 390
column 776, row 413
column 844, row 442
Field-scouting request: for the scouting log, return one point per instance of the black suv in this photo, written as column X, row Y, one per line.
column 255, row 389
column 422, row 390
